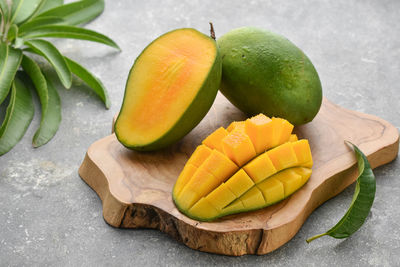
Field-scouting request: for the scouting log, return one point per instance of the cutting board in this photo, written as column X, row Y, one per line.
column 135, row 188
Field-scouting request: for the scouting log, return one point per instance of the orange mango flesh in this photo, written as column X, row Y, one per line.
column 166, row 79
column 249, row 173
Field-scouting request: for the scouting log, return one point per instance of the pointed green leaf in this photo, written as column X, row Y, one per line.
column 20, row 112
column 51, row 117
column 32, row 69
column 54, row 57
column 64, row 31
column 12, row 33
column 38, row 22
column 46, row 5
column 77, row 12
column 5, row 9
column 361, row 204
column 90, row 80
column 10, row 59
column 23, row 9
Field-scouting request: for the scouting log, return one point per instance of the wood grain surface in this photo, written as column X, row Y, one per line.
column 135, row 188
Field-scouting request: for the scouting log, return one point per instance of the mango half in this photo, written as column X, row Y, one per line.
column 170, row 88
column 250, row 165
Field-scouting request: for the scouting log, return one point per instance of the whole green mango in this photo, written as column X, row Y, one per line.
column 263, row 72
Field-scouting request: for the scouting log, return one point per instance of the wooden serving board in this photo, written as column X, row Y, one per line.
column 135, row 188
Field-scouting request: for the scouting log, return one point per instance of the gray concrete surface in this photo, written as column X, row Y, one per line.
column 50, row 217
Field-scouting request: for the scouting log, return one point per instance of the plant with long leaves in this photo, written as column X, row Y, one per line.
column 23, row 24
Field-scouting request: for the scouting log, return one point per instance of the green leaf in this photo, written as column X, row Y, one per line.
column 54, row 57
column 46, row 5
column 38, row 22
column 77, row 12
column 64, row 31
column 23, row 9
column 90, row 80
column 12, row 33
column 51, row 117
column 360, row 205
column 19, row 115
column 10, row 59
column 5, row 9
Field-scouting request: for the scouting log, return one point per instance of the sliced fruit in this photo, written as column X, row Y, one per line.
column 293, row 138
column 199, row 155
column 238, row 147
column 238, row 179
column 260, row 168
column 238, row 125
column 170, row 88
column 214, row 140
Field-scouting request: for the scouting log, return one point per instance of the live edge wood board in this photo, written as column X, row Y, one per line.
column 135, row 188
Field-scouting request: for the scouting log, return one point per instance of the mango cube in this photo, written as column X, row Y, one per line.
column 293, row 138
column 282, row 131
column 253, row 199
column 234, row 207
column 272, row 189
column 184, row 177
column 283, row 156
column 259, row 128
column 203, row 209
column 239, row 183
column 219, row 165
column 221, row 197
column 238, row 147
column 199, row 155
column 303, row 153
column 290, row 179
column 213, row 141
column 238, row 125
column 260, row 168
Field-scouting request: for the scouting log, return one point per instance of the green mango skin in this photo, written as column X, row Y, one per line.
column 263, row 72
column 194, row 113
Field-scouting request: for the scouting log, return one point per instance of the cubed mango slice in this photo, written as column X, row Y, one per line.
column 283, row 156
column 221, row 197
column 199, row 155
column 259, row 128
column 238, row 147
column 272, row 190
column 238, row 125
column 239, row 183
column 303, row 152
column 234, row 207
column 282, row 131
column 213, row 141
column 290, row 179
column 253, row 199
column 185, row 176
column 260, row 168
column 219, row 165
column 203, row 209
column 293, row 138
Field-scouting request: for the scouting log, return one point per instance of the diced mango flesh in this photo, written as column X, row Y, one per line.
column 260, row 168
column 253, row 164
column 238, row 147
column 219, row 165
column 213, row 141
column 260, row 128
column 203, row 209
column 283, row 156
column 239, row 183
column 293, row 138
column 199, row 155
column 185, row 176
column 221, row 197
column 272, row 189
column 253, row 199
column 238, row 125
